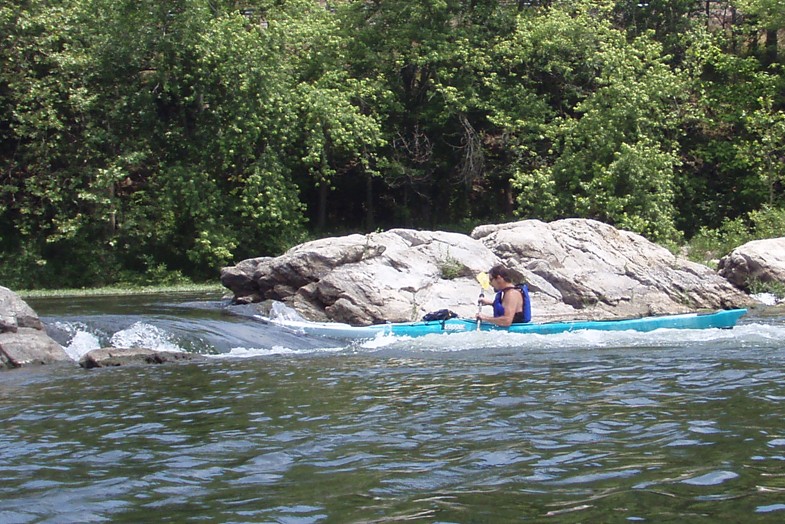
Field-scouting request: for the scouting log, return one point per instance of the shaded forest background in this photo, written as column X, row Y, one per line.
column 149, row 141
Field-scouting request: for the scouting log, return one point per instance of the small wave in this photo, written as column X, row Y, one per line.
column 81, row 344
column 381, row 340
column 747, row 335
column 242, row 340
column 76, row 338
column 712, row 478
column 768, row 299
column 143, row 335
column 244, row 352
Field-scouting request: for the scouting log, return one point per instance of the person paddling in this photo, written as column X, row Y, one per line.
column 508, row 308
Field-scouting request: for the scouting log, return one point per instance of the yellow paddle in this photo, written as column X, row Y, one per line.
column 482, row 278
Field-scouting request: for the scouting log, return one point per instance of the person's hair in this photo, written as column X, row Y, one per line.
column 500, row 271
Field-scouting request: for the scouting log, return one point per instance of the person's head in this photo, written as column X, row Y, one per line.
column 500, row 272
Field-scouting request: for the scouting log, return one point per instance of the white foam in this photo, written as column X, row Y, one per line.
column 243, row 352
column 143, row 335
column 81, row 343
column 743, row 335
column 280, row 311
column 768, row 299
column 80, row 339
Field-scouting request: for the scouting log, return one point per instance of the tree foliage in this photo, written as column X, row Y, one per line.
column 141, row 137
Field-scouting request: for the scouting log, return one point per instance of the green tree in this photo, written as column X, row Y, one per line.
column 722, row 182
column 619, row 156
column 611, row 151
column 53, row 208
column 764, row 151
column 541, row 71
column 770, row 13
column 339, row 131
column 427, row 60
column 118, row 158
column 141, row 138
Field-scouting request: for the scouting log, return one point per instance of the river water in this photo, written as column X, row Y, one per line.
column 669, row 426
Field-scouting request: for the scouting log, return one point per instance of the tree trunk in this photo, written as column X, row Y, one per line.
column 321, row 214
column 770, row 55
column 369, row 220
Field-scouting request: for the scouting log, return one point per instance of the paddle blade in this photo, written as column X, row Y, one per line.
column 482, row 278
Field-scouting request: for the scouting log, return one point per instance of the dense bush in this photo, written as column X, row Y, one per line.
column 144, row 140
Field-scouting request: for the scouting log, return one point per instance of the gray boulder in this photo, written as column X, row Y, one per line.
column 239, row 278
column 23, row 339
column 760, row 261
column 110, row 357
column 576, row 269
column 396, row 276
column 582, row 268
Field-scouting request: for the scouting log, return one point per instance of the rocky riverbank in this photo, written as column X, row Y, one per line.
column 575, row 269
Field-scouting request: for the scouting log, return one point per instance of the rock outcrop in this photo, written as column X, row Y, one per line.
column 603, row 272
column 756, row 262
column 23, row 339
column 392, row 276
column 575, row 269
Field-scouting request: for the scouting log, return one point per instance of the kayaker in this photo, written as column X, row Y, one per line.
column 508, row 308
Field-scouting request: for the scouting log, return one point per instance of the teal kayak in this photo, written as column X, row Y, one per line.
column 724, row 319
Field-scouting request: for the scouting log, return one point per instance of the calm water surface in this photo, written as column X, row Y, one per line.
column 478, row 427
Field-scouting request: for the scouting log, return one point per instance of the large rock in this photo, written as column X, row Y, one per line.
column 16, row 313
column 575, row 269
column 586, row 269
column 759, row 261
column 395, row 276
column 23, row 339
column 239, row 279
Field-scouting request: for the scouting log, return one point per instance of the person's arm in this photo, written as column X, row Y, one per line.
column 485, row 301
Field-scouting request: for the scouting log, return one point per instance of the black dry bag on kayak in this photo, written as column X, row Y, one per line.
column 442, row 314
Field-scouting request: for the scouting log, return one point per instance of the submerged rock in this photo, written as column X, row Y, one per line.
column 109, row 357
column 576, row 269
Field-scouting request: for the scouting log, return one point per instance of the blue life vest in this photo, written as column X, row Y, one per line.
column 521, row 316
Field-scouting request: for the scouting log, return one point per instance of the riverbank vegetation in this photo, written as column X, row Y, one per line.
column 212, row 289
column 155, row 141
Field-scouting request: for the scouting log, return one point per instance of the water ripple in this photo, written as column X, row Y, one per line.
column 537, row 432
